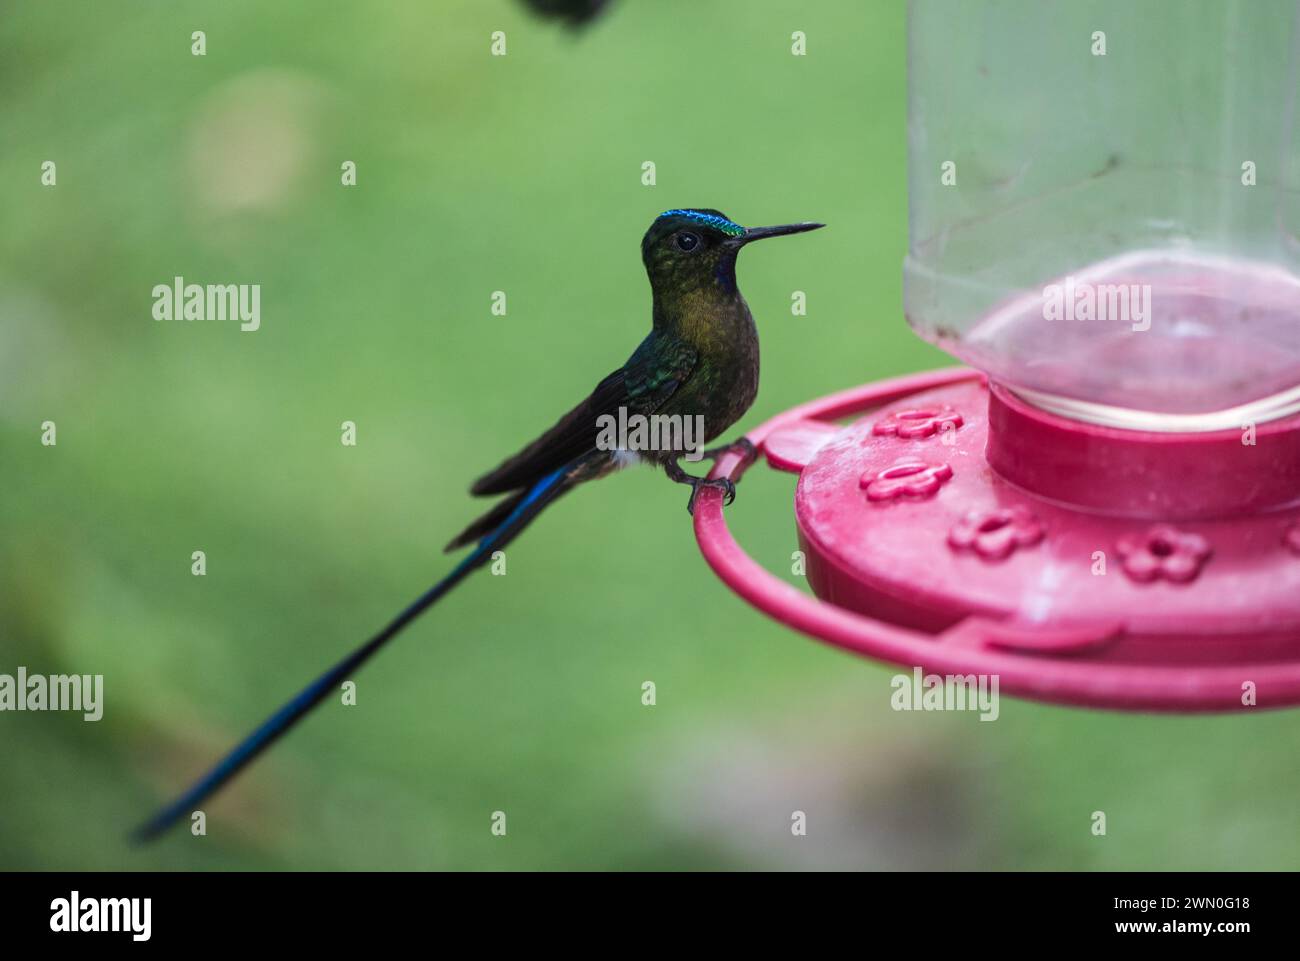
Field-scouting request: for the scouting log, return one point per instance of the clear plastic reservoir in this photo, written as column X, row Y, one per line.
column 1105, row 203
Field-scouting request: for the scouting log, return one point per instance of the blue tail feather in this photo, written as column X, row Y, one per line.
column 542, row 493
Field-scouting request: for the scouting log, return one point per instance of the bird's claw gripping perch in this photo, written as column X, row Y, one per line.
column 748, row 453
column 724, row 484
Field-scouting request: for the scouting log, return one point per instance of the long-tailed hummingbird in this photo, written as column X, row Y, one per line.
column 699, row 362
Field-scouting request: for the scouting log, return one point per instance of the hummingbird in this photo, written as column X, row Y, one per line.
column 700, row 360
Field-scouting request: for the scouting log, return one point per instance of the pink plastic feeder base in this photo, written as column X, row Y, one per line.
column 957, row 529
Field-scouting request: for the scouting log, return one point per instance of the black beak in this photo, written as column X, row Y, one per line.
column 760, row 233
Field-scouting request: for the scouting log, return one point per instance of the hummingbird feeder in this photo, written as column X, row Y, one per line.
column 1104, row 508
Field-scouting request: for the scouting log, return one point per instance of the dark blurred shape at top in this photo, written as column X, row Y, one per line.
column 576, row 13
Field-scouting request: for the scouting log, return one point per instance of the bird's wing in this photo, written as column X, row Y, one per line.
column 651, row 375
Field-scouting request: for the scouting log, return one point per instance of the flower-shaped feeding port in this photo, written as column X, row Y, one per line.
column 995, row 534
column 913, row 478
column 917, row 422
column 1164, row 552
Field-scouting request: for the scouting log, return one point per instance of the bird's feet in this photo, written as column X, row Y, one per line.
column 722, row 483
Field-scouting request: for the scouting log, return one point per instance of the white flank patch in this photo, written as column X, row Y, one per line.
column 624, row 458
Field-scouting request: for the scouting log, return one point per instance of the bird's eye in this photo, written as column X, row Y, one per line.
column 687, row 241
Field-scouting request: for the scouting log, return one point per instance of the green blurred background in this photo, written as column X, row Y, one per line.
column 519, row 693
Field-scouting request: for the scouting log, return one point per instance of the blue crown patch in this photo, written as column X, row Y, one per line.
column 710, row 220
